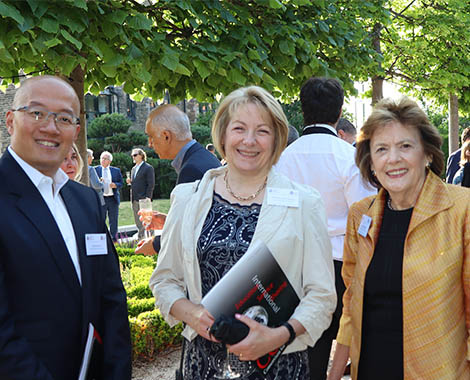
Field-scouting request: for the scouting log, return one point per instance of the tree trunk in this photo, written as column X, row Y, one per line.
column 377, row 81
column 453, row 122
column 76, row 79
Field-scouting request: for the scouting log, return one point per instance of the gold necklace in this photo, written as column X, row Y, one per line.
column 248, row 198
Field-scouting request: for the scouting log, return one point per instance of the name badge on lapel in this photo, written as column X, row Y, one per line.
column 282, row 197
column 365, row 225
column 96, row 244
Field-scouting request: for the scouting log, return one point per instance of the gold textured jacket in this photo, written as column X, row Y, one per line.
column 436, row 281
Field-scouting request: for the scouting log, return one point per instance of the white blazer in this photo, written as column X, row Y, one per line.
column 297, row 237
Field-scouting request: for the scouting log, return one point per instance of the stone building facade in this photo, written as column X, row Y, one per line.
column 112, row 99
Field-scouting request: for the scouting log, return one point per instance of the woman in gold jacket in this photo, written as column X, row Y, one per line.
column 406, row 311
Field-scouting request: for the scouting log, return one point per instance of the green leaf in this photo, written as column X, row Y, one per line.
column 276, row 4
column 12, row 12
column 170, row 61
column 49, row 25
column 134, row 52
column 139, row 21
column 181, row 69
column 5, row 56
column 71, row 39
column 254, row 55
column 109, row 70
column 202, row 69
column 27, row 24
column 80, row 4
column 236, row 76
column 143, row 75
column 323, row 26
column 52, row 42
column 286, row 47
column 118, row 16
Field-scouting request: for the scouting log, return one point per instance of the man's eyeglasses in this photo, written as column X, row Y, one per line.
column 40, row 116
column 135, row 154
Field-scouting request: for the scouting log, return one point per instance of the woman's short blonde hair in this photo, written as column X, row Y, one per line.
column 406, row 112
column 262, row 99
column 78, row 176
column 463, row 153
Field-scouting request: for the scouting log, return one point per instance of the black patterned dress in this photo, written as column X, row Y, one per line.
column 225, row 237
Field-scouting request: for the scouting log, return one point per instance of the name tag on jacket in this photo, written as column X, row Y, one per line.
column 96, row 244
column 282, row 197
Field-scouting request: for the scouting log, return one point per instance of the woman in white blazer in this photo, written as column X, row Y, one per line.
column 211, row 224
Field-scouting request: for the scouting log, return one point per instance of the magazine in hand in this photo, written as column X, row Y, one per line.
column 257, row 287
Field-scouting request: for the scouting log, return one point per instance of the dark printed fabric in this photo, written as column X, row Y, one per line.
column 204, row 359
column 225, row 237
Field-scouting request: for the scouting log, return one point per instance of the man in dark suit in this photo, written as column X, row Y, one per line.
column 59, row 272
column 453, row 161
column 142, row 182
column 169, row 133
column 112, row 182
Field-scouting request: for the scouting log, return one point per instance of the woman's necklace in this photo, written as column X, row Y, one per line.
column 389, row 204
column 249, row 197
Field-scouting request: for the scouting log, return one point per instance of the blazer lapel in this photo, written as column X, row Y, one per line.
column 271, row 217
column 36, row 210
column 434, row 198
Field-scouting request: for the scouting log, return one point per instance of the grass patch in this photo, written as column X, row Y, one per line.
column 126, row 216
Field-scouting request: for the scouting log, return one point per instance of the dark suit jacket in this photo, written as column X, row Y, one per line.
column 197, row 160
column 116, row 177
column 143, row 183
column 44, row 312
column 453, row 165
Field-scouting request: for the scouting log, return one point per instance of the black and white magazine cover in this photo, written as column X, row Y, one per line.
column 257, row 287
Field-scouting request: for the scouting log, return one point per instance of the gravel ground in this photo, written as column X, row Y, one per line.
column 164, row 366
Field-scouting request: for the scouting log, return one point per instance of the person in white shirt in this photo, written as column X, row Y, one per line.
column 321, row 159
column 112, row 182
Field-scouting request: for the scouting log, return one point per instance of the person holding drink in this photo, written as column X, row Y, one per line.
column 211, row 224
column 406, row 265
column 141, row 179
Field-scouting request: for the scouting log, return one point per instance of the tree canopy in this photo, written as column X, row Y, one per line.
column 192, row 48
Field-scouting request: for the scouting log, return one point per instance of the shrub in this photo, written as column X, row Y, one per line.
column 136, row 306
column 150, row 334
column 108, row 125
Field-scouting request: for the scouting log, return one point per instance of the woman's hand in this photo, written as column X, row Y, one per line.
column 157, row 223
column 195, row 316
column 145, row 247
column 340, row 361
column 259, row 341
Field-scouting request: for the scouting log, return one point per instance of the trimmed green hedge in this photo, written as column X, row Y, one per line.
column 150, row 334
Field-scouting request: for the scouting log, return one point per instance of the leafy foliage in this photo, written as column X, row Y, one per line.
column 427, row 49
column 197, row 48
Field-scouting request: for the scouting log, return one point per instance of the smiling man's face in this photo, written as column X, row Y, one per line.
column 43, row 145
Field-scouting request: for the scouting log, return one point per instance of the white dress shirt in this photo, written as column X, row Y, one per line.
column 49, row 189
column 107, row 179
column 136, row 169
column 326, row 163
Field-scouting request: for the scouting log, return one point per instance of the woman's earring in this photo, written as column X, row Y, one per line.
column 373, row 172
column 428, row 165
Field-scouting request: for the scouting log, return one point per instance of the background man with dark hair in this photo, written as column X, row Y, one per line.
column 454, row 159
column 322, row 160
column 169, row 133
column 142, row 182
column 346, row 131
column 59, row 270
